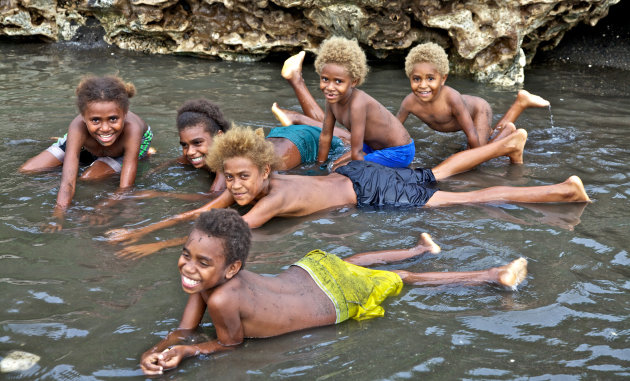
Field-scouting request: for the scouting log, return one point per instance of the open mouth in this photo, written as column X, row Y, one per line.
column 189, row 283
column 196, row 160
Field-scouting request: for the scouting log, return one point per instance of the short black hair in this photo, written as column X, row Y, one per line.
column 229, row 226
column 204, row 112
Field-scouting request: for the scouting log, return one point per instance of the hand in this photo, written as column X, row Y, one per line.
column 139, row 251
column 122, row 235
column 95, row 218
column 149, row 363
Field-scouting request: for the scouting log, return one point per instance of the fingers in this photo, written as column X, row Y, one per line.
column 150, row 366
column 137, row 251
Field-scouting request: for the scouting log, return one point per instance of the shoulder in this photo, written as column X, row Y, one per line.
column 225, row 296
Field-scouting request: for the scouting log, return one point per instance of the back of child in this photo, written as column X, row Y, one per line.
column 376, row 134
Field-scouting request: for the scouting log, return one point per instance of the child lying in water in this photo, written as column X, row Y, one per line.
column 246, row 160
column 320, row 289
column 444, row 109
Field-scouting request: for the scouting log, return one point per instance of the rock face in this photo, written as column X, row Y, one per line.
column 490, row 39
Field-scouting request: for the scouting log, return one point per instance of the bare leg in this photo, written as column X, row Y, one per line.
column 425, row 244
column 288, row 117
column 97, row 171
column 292, row 72
column 463, row 161
column 41, row 162
column 571, row 190
column 509, row 275
column 524, row 100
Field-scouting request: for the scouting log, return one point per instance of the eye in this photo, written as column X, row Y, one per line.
column 185, row 255
column 113, row 118
column 204, row 264
column 338, row 81
column 228, row 177
column 94, row 120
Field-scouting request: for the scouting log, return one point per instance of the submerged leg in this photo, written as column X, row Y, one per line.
column 509, row 275
column 463, row 161
column 571, row 190
column 425, row 244
column 292, row 72
column 41, row 162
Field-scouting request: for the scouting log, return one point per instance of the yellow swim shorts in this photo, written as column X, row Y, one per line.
column 356, row 291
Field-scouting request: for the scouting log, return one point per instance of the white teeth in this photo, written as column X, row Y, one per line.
column 189, row 282
column 196, row 159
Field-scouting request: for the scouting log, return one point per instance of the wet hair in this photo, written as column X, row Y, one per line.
column 428, row 52
column 345, row 53
column 201, row 112
column 241, row 142
column 109, row 88
column 228, row 226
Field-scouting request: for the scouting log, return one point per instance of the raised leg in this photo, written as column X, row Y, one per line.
column 524, row 100
column 509, row 275
column 292, row 72
column 571, row 190
column 463, row 161
column 288, row 117
column 425, row 244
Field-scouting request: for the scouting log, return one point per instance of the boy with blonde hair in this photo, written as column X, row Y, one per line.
column 444, row 109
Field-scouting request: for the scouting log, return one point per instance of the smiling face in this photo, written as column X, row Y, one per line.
column 245, row 181
column 104, row 121
column 336, row 83
column 426, row 82
column 195, row 142
column 202, row 263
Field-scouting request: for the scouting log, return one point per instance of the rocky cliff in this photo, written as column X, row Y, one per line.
column 490, row 39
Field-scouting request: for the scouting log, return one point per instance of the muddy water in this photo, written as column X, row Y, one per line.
column 90, row 315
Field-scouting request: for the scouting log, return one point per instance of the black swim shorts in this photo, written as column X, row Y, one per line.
column 378, row 185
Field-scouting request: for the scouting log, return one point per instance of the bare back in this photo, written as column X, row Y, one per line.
column 365, row 115
column 273, row 305
column 295, row 196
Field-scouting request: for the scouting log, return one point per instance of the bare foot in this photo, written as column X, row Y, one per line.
column 526, row 99
column 280, row 115
column 425, row 243
column 516, row 144
column 292, row 67
column 512, row 274
column 578, row 193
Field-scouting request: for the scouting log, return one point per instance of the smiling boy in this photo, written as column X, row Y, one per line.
column 444, row 109
column 320, row 289
column 247, row 161
column 375, row 133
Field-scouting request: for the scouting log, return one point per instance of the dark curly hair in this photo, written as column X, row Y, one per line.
column 109, row 88
column 229, row 226
column 201, row 111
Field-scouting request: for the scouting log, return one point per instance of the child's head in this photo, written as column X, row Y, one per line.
column 428, row 52
column 228, row 226
column 202, row 112
column 215, row 250
column 345, row 53
column 104, row 89
column 198, row 121
column 241, row 142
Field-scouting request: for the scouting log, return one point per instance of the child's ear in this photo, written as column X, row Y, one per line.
column 444, row 79
column 233, row 269
column 266, row 171
column 355, row 82
column 220, row 132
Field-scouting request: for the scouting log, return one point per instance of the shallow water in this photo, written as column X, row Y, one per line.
column 90, row 315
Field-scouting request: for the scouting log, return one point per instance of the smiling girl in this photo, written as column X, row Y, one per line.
column 105, row 135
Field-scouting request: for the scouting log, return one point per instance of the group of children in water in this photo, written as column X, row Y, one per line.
column 370, row 166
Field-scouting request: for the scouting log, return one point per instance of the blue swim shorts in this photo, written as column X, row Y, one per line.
column 394, row 157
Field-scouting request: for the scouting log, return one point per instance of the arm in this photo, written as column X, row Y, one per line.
column 133, row 139
column 462, row 115
column 140, row 251
column 264, row 210
column 403, row 111
column 325, row 138
column 358, row 118
column 120, row 235
column 151, row 361
column 76, row 137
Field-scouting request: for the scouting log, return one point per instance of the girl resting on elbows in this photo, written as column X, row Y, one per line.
column 105, row 135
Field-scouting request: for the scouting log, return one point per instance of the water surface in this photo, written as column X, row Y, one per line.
column 90, row 315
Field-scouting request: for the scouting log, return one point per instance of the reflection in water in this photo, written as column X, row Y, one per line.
column 90, row 315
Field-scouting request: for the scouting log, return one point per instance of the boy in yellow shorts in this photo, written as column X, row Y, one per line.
column 321, row 289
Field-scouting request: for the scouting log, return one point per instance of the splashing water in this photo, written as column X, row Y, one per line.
column 550, row 116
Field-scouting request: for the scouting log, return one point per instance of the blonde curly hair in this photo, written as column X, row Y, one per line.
column 428, row 52
column 241, row 142
column 343, row 52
